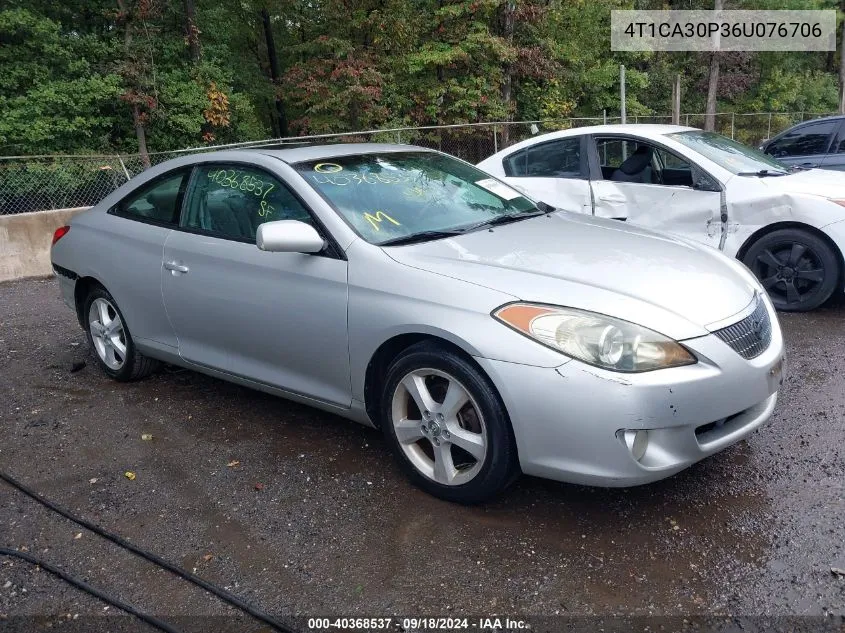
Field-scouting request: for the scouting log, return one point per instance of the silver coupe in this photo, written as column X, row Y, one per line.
column 484, row 333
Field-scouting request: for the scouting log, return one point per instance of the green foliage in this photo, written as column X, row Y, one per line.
column 82, row 76
column 51, row 97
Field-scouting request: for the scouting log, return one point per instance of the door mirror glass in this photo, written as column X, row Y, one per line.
column 288, row 236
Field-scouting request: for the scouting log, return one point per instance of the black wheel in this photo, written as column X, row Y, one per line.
column 447, row 425
column 110, row 339
column 798, row 269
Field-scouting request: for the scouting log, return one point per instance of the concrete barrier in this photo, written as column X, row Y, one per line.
column 25, row 240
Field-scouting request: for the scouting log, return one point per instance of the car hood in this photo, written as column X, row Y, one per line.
column 816, row 182
column 661, row 282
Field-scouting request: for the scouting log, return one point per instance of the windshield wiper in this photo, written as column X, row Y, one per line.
column 763, row 173
column 506, row 219
column 423, row 236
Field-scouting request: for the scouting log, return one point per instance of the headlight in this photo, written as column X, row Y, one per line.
column 595, row 338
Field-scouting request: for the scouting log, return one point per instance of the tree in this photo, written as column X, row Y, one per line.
column 712, row 83
column 150, row 75
column 275, row 73
column 56, row 93
column 137, row 67
column 842, row 67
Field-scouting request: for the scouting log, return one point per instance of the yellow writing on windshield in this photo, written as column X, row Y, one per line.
column 327, row 168
column 376, row 219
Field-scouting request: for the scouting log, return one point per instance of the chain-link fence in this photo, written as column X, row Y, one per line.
column 36, row 183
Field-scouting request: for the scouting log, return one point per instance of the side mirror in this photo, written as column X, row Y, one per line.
column 288, row 236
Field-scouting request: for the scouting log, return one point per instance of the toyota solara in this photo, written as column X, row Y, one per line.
column 484, row 333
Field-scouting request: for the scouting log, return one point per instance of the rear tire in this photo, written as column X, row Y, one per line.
column 798, row 269
column 447, row 425
column 110, row 339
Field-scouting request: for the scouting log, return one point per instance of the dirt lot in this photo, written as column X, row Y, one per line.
column 335, row 528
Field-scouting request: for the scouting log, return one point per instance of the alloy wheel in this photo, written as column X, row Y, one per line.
column 107, row 333
column 439, row 426
column 790, row 271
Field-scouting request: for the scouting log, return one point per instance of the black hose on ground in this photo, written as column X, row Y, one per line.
column 84, row 586
column 224, row 595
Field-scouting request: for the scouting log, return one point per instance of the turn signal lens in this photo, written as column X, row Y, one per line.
column 594, row 338
column 60, row 233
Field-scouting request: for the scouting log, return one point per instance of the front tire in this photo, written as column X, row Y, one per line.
column 447, row 425
column 111, row 341
column 798, row 269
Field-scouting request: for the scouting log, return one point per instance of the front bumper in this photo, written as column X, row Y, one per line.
column 569, row 421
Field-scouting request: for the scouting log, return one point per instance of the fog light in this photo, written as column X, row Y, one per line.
column 637, row 443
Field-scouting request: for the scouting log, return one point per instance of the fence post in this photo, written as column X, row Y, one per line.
column 495, row 141
column 733, row 123
column 623, row 109
column 399, row 137
column 769, row 132
column 123, row 165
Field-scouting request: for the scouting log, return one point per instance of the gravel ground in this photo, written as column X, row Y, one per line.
column 304, row 513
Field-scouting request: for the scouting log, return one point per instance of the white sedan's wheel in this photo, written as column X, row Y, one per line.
column 447, row 424
column 439, row 426
column 798, row 269
column 107, row 333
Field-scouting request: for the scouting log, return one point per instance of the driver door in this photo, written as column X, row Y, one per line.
column 656, row 192
column 275, row 318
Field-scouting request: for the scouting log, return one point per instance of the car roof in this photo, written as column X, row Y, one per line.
column 645, row 130
column 835, row 117
column 318, row 152
column 824, row 118
column 650, row 129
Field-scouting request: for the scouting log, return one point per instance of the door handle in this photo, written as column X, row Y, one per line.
column 809, row 165
column 176, row 268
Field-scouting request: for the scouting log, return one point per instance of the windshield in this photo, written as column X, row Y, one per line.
column 735, row 157
column 389, row 196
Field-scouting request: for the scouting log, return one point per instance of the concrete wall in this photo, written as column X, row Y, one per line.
column 25, row 241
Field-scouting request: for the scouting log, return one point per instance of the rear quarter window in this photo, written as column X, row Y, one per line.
column 157, row 202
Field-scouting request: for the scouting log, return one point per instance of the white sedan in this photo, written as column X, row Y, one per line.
column 787, row 226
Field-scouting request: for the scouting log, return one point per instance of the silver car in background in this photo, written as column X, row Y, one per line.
column 486, row 335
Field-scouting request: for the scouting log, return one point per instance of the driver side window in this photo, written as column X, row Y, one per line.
column 626, row 160
column 231, row 201
column 673, row 170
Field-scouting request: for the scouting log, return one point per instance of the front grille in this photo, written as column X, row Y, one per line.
column 750, row 337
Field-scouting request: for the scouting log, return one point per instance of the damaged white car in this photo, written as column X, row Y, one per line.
column 787, row 226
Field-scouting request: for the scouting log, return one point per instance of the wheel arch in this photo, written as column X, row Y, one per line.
column 801, row 226
column 81, row 290
column 391, row 349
